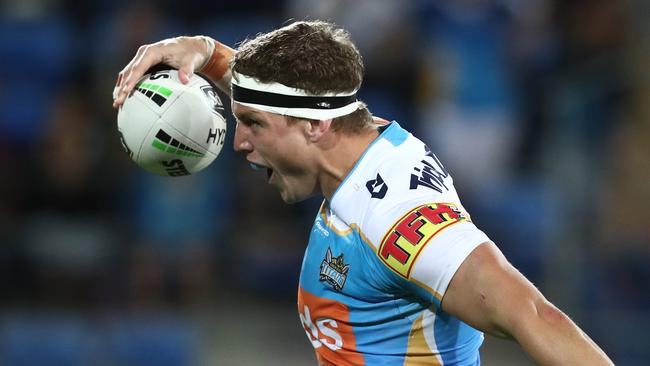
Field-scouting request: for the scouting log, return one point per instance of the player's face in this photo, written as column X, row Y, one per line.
column 273, row 143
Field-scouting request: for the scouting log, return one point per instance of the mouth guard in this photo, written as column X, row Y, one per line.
column 256, row 166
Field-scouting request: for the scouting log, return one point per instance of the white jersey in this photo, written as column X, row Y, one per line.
column 380, row 257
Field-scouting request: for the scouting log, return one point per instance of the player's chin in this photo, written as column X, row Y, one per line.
column 289, row 196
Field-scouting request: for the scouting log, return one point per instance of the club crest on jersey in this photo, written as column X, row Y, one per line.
column 333, row 271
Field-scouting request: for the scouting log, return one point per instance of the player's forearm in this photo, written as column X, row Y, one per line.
column 217, row 66
column 552, row 338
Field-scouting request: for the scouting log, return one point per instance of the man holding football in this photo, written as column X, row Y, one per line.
column 395, row 272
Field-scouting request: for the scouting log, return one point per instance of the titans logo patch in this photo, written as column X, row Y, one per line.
column 333, row 270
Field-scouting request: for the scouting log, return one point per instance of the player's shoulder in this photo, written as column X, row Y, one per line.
column 401, row 199
column 396, row 174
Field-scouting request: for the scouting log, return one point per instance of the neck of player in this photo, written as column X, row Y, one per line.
column 341, row 152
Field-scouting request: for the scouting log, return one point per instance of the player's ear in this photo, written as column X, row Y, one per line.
column 315, row 129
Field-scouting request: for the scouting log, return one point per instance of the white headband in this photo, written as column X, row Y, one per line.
column 281, row 99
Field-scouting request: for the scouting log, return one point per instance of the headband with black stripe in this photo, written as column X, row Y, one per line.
column 281, row 99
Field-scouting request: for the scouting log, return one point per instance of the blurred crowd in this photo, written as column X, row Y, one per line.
column 539, row 109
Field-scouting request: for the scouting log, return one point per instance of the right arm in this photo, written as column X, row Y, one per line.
column 186, row 54
column 488, row 293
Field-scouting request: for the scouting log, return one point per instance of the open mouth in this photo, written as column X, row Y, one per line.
column 259, row 167
column 256, row 166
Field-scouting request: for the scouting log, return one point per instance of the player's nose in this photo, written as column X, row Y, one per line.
column 241, row 142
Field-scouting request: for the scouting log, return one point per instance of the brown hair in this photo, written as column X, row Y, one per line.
column 315, row 56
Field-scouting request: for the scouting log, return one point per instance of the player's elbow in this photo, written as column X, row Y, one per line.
column 535, row 316
column 550, row 315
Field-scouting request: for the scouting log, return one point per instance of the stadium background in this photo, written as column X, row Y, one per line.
column 538, row 108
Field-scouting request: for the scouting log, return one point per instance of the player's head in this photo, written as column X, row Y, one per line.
column 290, row 88
column 314, row 58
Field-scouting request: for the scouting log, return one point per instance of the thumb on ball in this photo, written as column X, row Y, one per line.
column 185, row 73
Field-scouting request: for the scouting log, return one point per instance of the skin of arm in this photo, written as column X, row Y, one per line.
column 488, row 293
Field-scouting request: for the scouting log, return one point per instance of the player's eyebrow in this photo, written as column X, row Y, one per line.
column 246, row 115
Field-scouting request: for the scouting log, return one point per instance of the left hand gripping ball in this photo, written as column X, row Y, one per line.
column 170, row 128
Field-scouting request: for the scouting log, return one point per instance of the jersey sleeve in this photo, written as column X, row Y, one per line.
column 403, row 201
column 428, row 244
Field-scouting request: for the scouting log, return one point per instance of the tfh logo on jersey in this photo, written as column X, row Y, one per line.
column 431, row 174
column 333, row 270
column 377, row 187
column 403, row 243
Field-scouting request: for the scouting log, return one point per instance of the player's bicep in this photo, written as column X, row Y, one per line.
column 488, row 293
